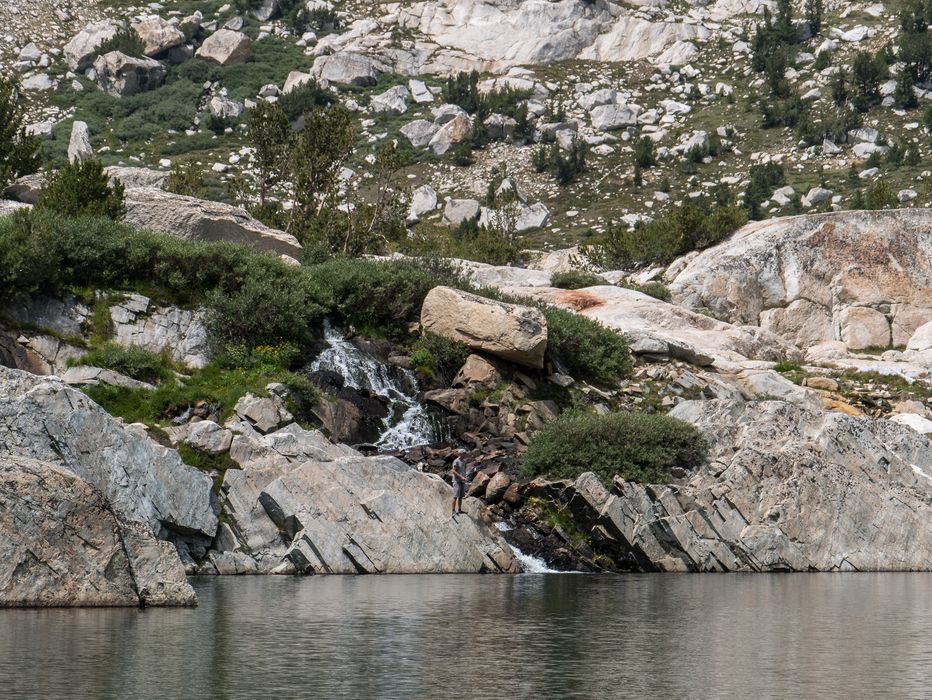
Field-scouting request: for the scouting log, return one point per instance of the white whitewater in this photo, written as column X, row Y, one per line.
column 408, row 423
column 531, row 564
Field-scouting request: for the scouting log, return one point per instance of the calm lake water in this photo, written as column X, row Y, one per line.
column 528, row 636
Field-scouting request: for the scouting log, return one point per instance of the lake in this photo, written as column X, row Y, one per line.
column 526, row 636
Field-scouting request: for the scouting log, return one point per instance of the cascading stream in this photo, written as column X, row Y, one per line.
column 408, row 424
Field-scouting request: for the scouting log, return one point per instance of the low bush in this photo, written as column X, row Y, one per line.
column 657, row 290
column 584, row 348
column 254, row 298
column 125, row 41
column 468, row 241
column 303, row 99
column 576, row 279
column 379, row 298
column 639, row 447
column 437, row 358
column 135, row 362
column 19, row 153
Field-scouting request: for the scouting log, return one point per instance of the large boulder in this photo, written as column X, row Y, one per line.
column 199, row 220
column 43, row 419
column 613, row 116
column 456, row 211
column 225, row 47
column 348, row 68
column 80, row 51
column 79, row 146
column 62, row 544
column 419, row 132
column 392, row 101
column 83, row 499
column 512, row 332
column 301, row 504
column 157, row 35
column 786, row 489
column 860, row 276
column 121, row 75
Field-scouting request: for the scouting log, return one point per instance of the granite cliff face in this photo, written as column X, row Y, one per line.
column 88, row 503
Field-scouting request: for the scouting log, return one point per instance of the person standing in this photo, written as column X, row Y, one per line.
column 458, row 472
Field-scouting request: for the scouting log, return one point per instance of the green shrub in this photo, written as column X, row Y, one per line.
column 880, row 196
column 28, row 263
column 585, row 348
column 438, row 358
column 125, row 41
column 135, row 362
column 468, row 241
column 186, row 179
column 565, row 167
column 656, row 290
column 255, row 298
column 639, row 447
column 576, row 279
column 645, row 154
column 303, row 99
column 82, row 189
column 462, row 89
column 264, row 307
column 378, row 297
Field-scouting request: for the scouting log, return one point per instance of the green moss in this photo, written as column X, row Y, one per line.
column 209, row 463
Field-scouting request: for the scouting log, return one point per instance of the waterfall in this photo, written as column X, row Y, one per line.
column 408, row 423
column 531, row 564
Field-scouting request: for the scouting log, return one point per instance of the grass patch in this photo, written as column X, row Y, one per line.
column 216, row 385
column 792, row 371
column 138, row 363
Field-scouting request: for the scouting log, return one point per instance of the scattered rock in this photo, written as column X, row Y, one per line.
column 121, row 75
column 225, row 47
column 79, row 147
column 80, row 51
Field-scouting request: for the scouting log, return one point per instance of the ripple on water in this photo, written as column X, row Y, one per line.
column 666, row 636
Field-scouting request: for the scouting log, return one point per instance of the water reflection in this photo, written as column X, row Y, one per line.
column 489, row 637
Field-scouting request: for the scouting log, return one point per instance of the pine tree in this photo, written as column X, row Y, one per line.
column 19, row 153
column 905, row 96
column 814, row 10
